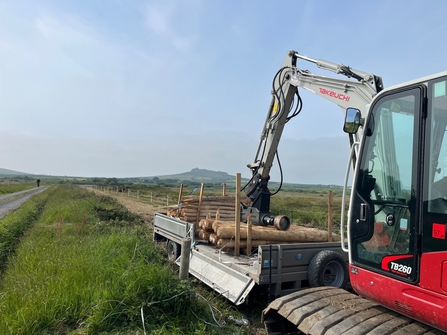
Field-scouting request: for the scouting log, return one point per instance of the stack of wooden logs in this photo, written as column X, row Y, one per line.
column 172, row 211
column 193, row 209
column 214, row 219
column 221, row 234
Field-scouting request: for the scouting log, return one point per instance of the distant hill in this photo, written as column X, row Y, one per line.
column 6, row 172
column 204, row 175
column 196, row 175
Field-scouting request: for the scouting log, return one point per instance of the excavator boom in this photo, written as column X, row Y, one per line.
column 356, row 90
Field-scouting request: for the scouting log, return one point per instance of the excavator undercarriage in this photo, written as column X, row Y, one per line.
column 334, row 311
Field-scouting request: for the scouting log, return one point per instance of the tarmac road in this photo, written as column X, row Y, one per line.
column 17, row 199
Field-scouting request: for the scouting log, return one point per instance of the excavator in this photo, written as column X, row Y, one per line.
column 395, row 232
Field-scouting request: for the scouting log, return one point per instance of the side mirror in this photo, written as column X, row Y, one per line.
column 352, row 120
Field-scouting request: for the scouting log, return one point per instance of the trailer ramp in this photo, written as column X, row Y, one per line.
column 231, row 284
column 333, row 311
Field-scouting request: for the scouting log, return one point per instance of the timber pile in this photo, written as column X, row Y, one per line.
column 193, row 208
column 172, row 211
column 221, row 234
column 214, row 219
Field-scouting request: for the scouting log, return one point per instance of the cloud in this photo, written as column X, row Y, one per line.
column 68, row 30
column 158, row 17
column 174, row 24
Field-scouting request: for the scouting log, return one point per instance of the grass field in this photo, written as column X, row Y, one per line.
column 79, row 263
column 7, row 187
column 308, row 209
column 72, row 262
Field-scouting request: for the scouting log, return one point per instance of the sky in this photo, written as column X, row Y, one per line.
column 136, row 88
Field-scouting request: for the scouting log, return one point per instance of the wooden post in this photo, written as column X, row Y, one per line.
column 249, row 234
column 138, row 195
column 217, row 218
column 237, row 216
column 202, row 186
column 329, row 217
column 184, row 259
column 180, row 194
column 128, row 192
column 224, row 189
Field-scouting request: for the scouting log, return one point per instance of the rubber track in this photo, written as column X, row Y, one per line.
column 333, row 311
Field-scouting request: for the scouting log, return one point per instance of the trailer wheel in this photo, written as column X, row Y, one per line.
column 173, row 250
column 328, row 268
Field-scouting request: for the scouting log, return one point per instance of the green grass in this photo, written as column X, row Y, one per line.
column 308, row 209
column 14, row 226
column 88, row 266
column 9, row 187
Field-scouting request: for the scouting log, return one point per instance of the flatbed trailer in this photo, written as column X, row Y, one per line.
column 279, row 269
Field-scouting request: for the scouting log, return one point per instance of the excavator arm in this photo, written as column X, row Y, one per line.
column 285, row 104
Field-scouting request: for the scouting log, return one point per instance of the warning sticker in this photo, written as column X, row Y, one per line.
column 438, row 231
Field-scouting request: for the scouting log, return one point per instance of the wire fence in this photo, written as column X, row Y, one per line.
column 306, row 216
column 156, row 198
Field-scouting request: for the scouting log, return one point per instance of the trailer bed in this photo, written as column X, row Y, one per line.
column 279, row 268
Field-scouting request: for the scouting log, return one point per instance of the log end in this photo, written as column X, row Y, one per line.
column 281, row 222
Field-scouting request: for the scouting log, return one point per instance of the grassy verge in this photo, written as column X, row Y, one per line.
column 14, row 226
column 8, row 187
column 88, row 266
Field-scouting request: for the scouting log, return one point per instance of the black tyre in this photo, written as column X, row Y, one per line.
column 173, row 250
column 328, row 268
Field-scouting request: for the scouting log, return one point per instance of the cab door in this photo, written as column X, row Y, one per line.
column 384, row 208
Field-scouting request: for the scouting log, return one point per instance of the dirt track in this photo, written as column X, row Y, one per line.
column 144, row 210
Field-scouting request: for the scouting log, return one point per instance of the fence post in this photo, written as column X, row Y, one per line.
column 180, row 194
column 199, row 207
column 237, row 232
column 184, row 259
column 138, row 194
